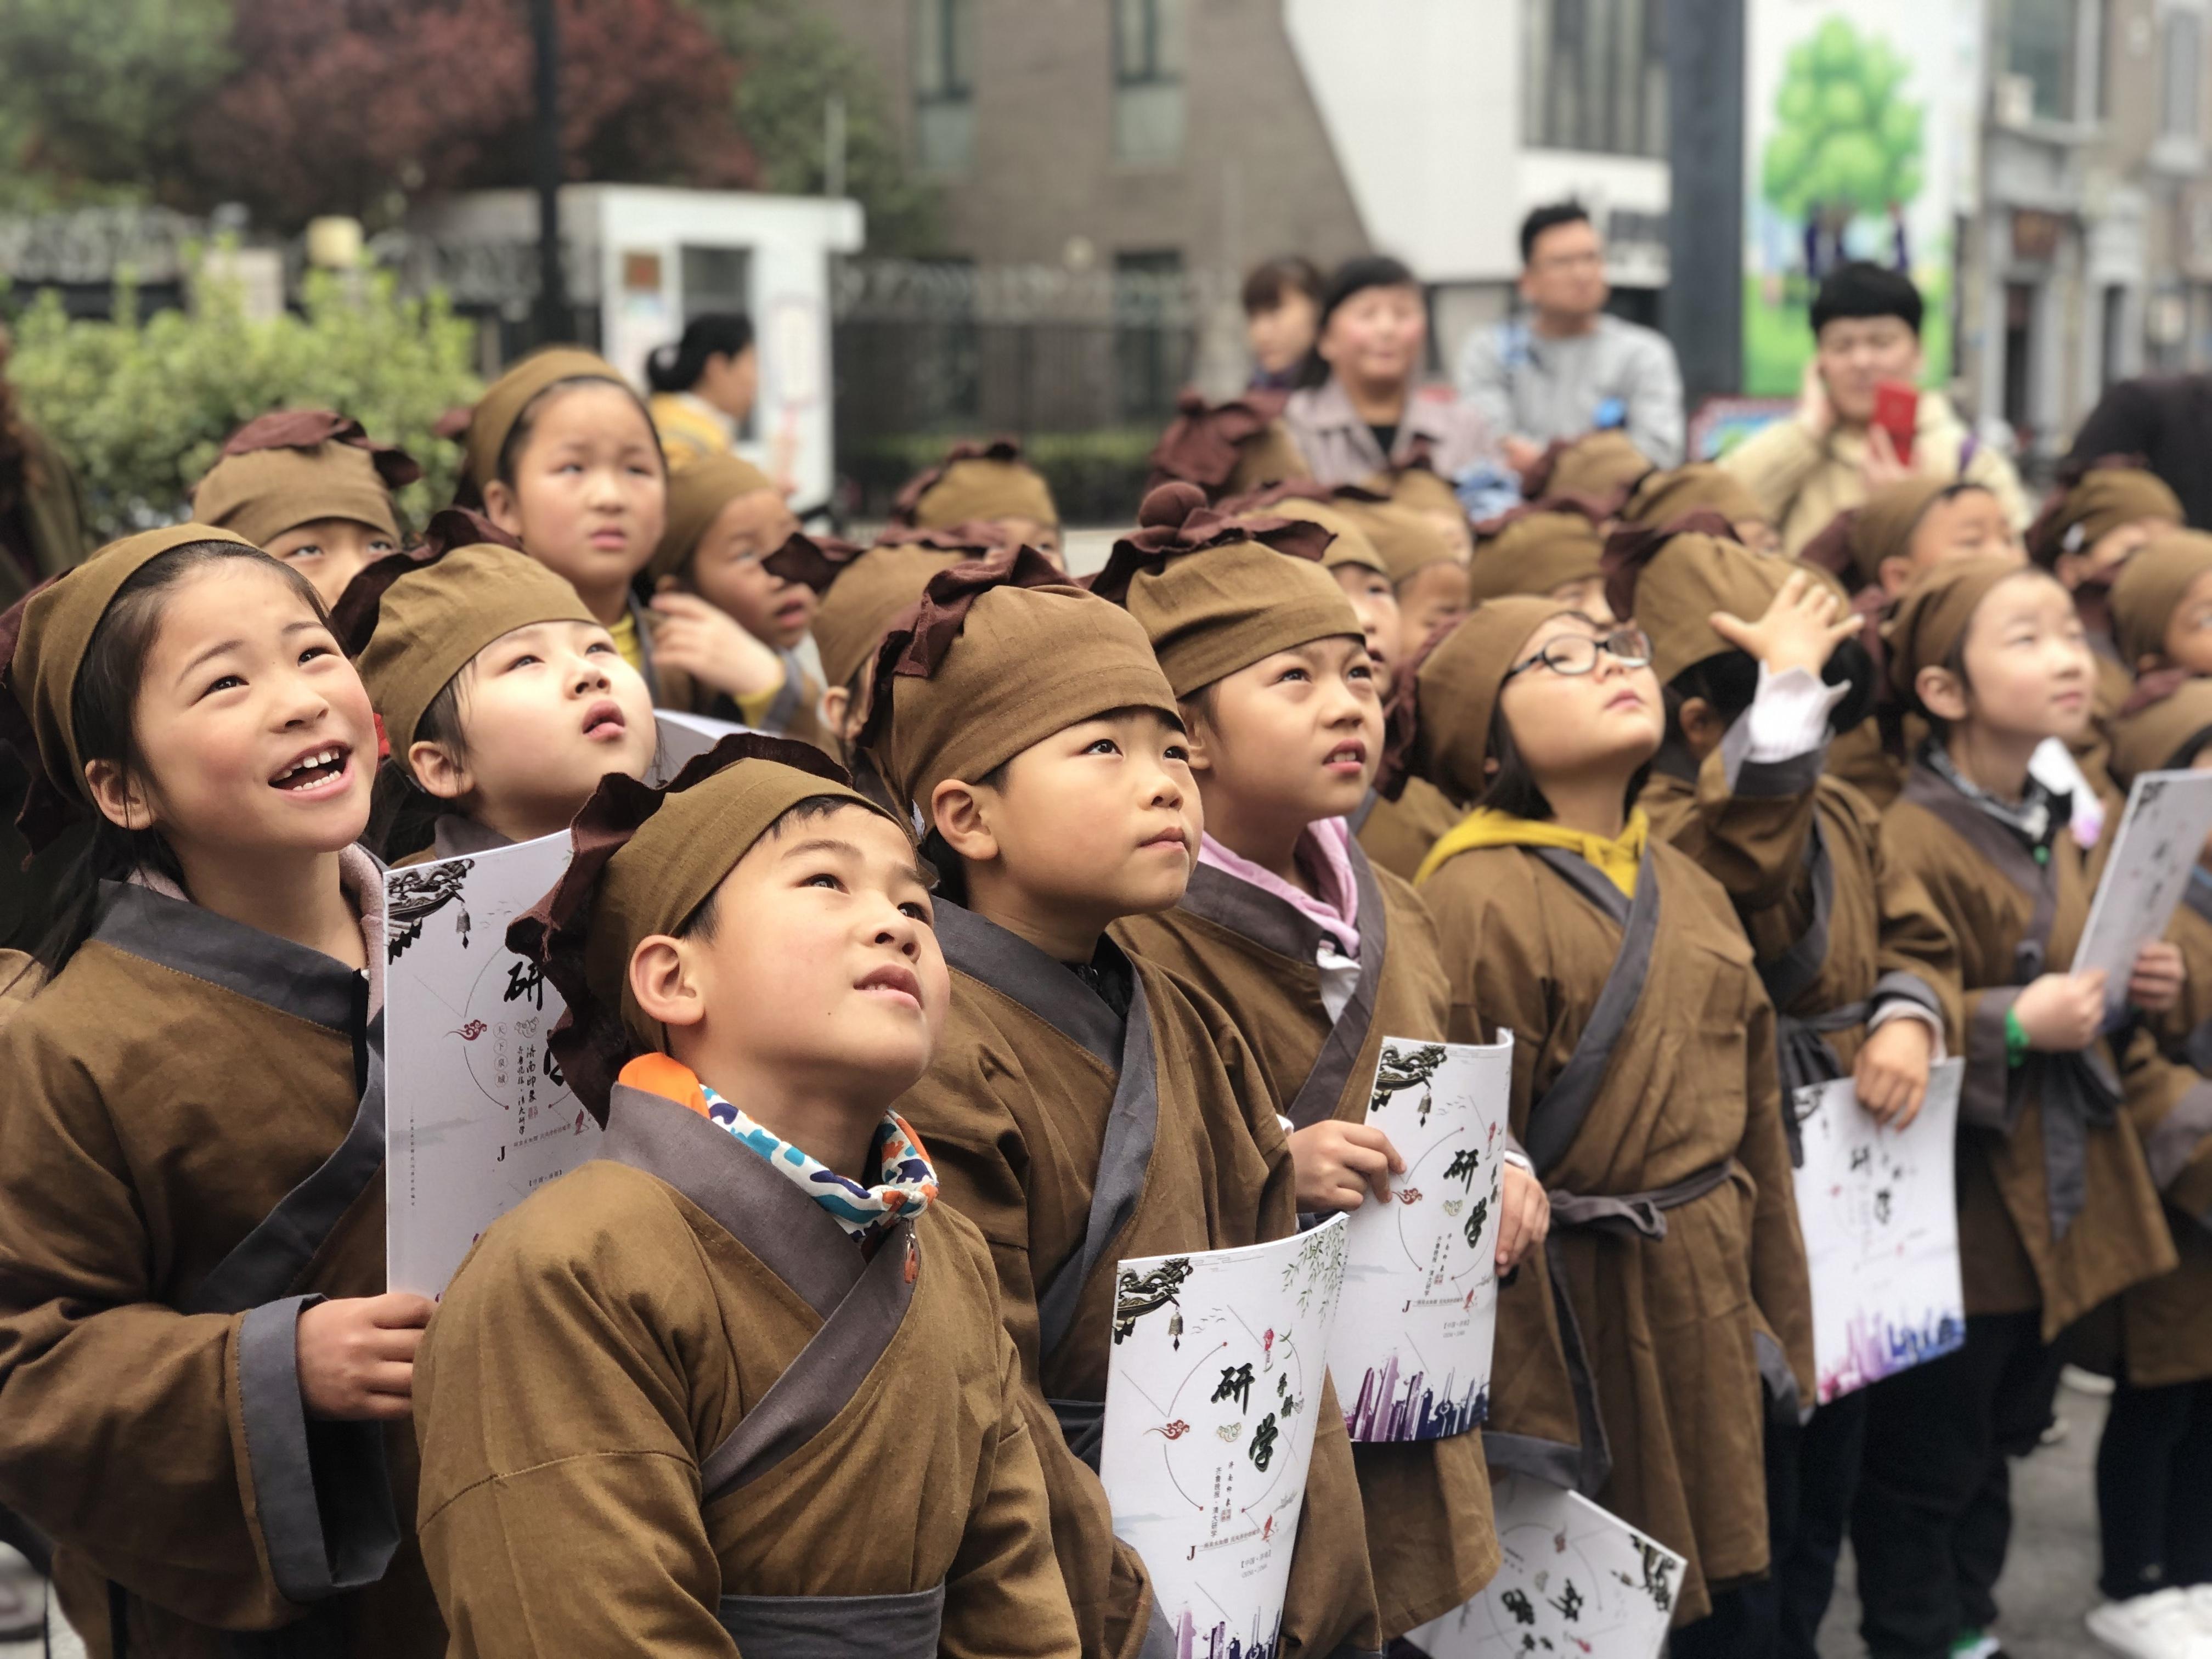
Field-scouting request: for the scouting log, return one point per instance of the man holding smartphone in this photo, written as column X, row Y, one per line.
column 1860, row 423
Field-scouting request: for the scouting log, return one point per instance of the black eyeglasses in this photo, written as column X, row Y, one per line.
column 1576, row 653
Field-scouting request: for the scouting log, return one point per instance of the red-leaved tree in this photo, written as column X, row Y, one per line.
column 352, row 105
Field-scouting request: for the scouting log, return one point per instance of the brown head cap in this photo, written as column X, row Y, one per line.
column 1853, row 544
column 1603, row 464
column 863, row 590
column 44, row 637
column 482, row 431
column 1672, row 580
column 1663, row 497
column 1228, row 447
column 975, row 481
column 1930, row 618
column 2150, row 588
column 296, row 466
column 644, row 861
column 997, row 656
column 1216, row 594
column 2093, row 501
column 1536, row 547
column 1313, row 503
column 697, row 496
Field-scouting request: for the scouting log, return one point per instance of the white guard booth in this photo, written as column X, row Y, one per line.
column 649, row 259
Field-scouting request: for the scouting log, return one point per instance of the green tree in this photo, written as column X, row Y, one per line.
column 794, row 60
column 141, row 407
column 1845, row 138
column 96, row 95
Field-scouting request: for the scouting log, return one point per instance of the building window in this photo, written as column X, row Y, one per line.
column 1148, row 95
column 2040, row 42
column 943, row 92
column 1596, row 76
column 2181, row 92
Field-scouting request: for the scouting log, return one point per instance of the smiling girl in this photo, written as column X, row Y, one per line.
column 204, row 1393
column 504, row 701
column 1644, row 1090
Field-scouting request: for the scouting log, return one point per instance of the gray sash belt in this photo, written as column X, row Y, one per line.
column 1636, row 1215
column 835, row 1626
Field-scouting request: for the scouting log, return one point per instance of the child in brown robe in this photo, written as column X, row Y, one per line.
column 1551, row 547
column 2057, row 1209
column 753, row 1394
column 1317, row 956
column 2161, row 605
column 722, row 620
column 2155, row 1461
column 1669, row 1313
column 1661, row 498
column 1861, row 970
column 504, row 701
column 204, row 1385
column 1086, row 1107
column 982, row 484
column 308, row 487
column 560, row 454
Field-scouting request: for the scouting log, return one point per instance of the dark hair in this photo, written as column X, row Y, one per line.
column 1271, row 283
column 102, row 705
column 1550, row 217
column 704, row 919
column 1512, row 789
column 677, row 366
column 1727, row 682
column 525, row 422
column 1861, row 289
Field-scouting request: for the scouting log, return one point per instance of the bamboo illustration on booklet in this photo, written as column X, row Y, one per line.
column 1213, row 1381
column 1411, row 1352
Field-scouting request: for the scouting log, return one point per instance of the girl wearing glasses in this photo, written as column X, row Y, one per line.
column 1645, row 1093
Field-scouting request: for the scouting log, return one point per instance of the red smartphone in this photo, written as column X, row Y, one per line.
column 1897, row 411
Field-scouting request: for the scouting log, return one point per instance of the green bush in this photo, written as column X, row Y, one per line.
column 141, row 407
column 1097, row 477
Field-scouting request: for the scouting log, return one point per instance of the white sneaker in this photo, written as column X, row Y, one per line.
column 2085, row 1382
column 2160, row 1626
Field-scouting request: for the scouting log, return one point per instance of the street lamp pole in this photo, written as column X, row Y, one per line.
column 1703, row 307
column 552, row 320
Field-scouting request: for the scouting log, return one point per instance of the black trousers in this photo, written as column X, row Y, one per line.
column 2154, row 1488
column 1745, row 1622
column 1934, row 1513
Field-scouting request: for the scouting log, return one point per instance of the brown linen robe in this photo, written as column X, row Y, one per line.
column 1993, row 893
column 606, row 1339
column 1398, row 834
column 1884, row 937
column 2165, row 1323
column 1025, row 1112
column 193, row 1149
column 1430, row 1532
column 1681, row 1330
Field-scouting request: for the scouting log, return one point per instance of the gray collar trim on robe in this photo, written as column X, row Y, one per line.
column 862, row 1300
column 457, row 835
column 1364, row 811
column 642, row 617
column 1012, row 966
column 2000, row 842
column 1216, row 897
column 177, row 934
column 1555, row 1120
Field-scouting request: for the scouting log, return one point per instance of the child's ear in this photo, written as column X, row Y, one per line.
column 1940, row 694
column 1194, row 736
column 1702, row 728
column 1895, row 574
column 958, row 812
column 438, row 772
column 661, row 979
column 836, row 703
column 122, row 803
column 501, row 507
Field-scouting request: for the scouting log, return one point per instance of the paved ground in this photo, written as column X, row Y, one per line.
column 2049, row 1583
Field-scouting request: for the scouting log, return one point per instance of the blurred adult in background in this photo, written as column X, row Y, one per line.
column 2167, row 420
column 1361, row 410
column 1566, row 366
column 703, row 388
column 1830, row 456
column 1282, row 310
column 41, row 514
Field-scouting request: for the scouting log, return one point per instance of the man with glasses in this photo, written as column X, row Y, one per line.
column 1566, row 366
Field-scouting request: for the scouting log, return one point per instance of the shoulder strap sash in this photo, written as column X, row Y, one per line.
column 862, row 1301
column 1558, row 1118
